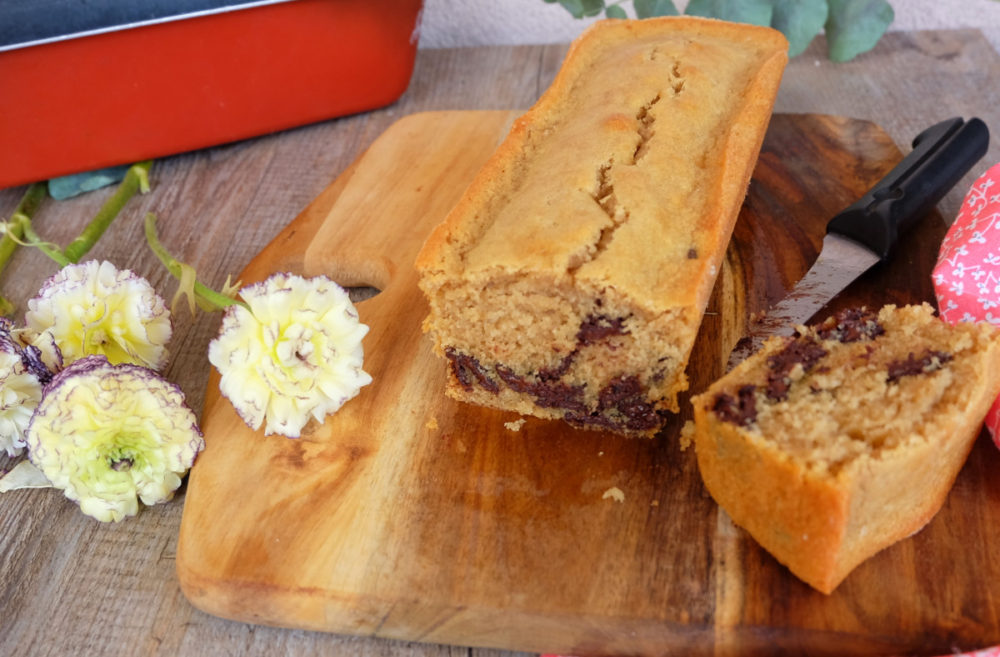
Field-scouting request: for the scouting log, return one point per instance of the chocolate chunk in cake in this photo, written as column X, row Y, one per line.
column 741, row 410
column 598, row 327
column 851, row 325
column 932, row 360
column 467, row 370
column 804, row 351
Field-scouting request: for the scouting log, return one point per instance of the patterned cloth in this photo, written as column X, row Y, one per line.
column 967, row 274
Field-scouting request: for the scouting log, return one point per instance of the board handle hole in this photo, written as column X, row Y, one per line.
column 359, row 293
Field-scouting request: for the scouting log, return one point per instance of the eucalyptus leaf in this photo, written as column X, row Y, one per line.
column 649, row 8
column 582, row 8
column 574, row 7
column 799, row 21
column 852, row 26
column 855, row 26
column 592, row 7
column 73, row 185
column 756, row 12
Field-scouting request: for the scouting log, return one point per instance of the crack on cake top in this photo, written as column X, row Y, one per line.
column 604, row 195
column 645, row 129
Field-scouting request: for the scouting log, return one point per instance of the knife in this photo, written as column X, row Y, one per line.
column 867, row 231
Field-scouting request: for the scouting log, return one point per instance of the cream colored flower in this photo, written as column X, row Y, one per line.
column 94, row 308
column 111, row 435
column 22, row 375
column 19, row 394
column 295, row 354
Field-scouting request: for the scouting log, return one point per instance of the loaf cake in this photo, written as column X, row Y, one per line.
column 833, row 444
column 571, row 278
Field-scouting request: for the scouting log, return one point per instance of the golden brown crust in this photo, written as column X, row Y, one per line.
column 746, row 137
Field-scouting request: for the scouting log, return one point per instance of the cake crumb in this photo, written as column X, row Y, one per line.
column 432, row 424
column 614, row 493
column 655, row 503
column 515, row 425
column 687, row 435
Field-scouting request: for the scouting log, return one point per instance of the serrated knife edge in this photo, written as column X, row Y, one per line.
column 867, row 231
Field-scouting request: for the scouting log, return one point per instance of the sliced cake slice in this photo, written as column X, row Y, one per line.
column 832, row 445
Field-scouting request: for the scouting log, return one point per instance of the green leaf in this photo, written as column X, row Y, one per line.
column 581, row 8
column 648, row 8
column 855, row 26
column 756, row 12
column 68, row 186
column 592, row 7
column 574, row 7
column 614, row 11
column 799, row 21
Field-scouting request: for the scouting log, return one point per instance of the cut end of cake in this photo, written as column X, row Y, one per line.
column 552, row 353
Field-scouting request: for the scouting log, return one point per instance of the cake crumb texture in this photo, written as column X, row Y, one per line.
column 614, row 493
column 570, row 280
column 515, row 425
column 829, row 446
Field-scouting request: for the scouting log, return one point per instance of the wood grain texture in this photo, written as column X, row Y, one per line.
column 71, row 586
column 411, row 516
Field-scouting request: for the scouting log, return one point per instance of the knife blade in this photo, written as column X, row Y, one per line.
column 867, row 231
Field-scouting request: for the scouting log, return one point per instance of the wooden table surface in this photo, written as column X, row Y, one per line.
column 72, row 586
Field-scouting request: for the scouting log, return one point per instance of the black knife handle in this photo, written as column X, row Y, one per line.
column 941, row 155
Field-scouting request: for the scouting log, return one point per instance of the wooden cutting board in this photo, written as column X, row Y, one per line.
column 412, row 516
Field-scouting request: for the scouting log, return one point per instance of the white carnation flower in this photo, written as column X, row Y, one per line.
column 94, row 308
column 111, row 435
column 22, row 375
column 295, row 354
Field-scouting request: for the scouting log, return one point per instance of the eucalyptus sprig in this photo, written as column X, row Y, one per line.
column 852, row 26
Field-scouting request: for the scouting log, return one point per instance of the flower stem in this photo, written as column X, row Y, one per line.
column 14, row 232
column 215, row 300
column 31, row 238
column 15, row 225
column 136, row 180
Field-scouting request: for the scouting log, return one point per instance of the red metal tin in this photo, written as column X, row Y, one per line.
column 145, row 92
